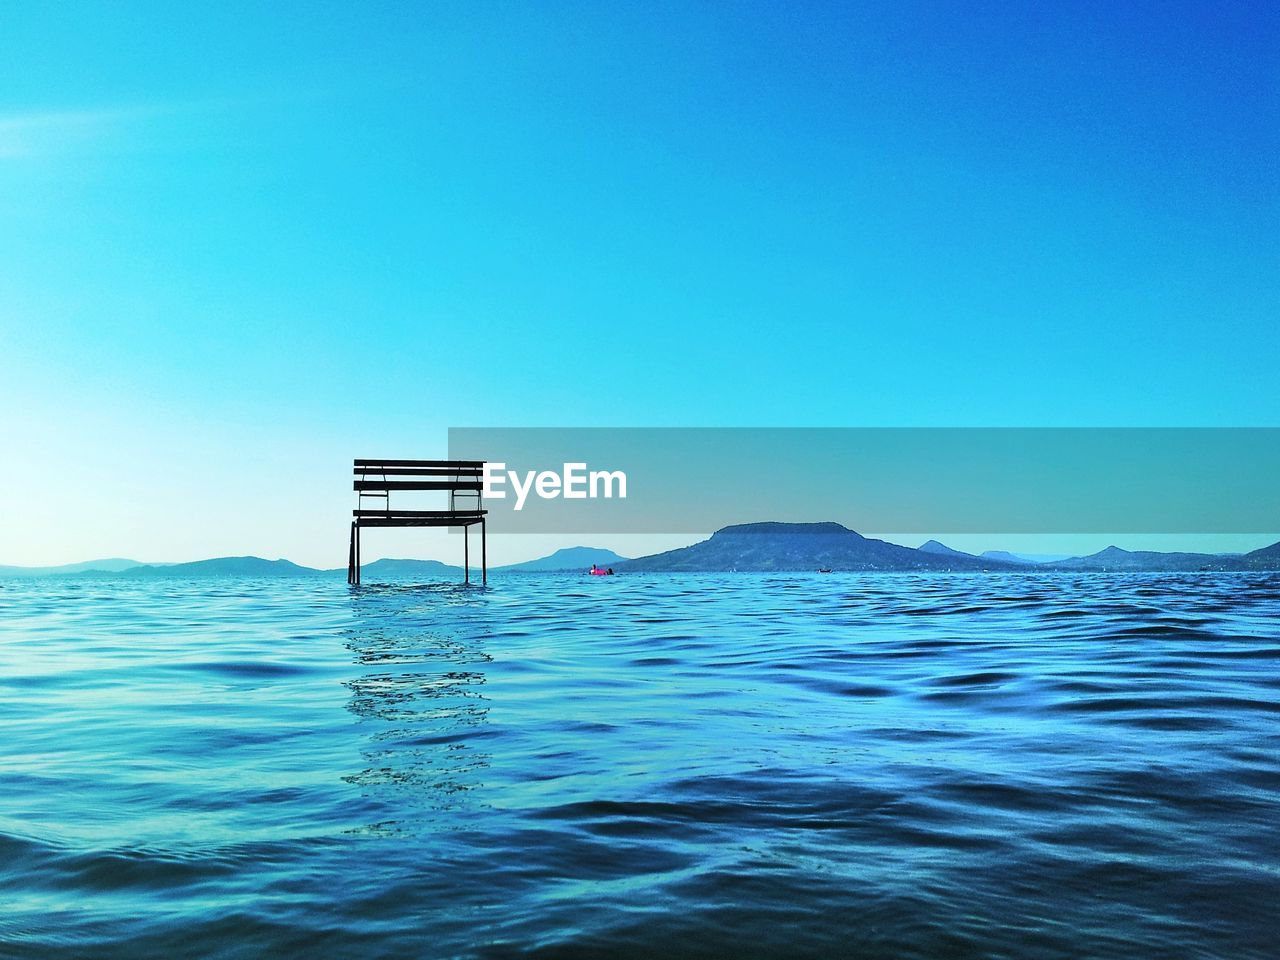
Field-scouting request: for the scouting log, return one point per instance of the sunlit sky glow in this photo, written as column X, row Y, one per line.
column 243, row 243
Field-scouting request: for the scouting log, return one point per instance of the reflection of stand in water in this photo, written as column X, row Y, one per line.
column 461, row 479
column 419, row 697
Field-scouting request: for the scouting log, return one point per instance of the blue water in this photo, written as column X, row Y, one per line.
column 888, row 766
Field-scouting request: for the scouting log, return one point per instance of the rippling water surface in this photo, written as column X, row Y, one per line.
column 719, row 766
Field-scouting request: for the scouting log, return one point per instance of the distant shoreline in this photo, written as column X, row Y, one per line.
column 744, row 548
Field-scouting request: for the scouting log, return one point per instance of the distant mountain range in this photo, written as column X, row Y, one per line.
column 219, row 567
column 941, row 549
column 1113, row 558
column 823, row 546
column 1024, row 558
column 568, row 558
column 743, row 547
column 803, row 546
column 111, row 565
column 815, row 546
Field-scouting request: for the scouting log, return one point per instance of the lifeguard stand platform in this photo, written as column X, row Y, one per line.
column 377, row 479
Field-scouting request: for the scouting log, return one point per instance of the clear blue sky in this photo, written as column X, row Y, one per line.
column 240, row 244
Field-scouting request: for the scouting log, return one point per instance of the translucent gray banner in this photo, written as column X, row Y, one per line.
column 910, row 480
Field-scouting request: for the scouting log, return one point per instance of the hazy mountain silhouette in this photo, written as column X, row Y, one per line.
column 802, row 546
column 224, row 567
column 1116, row 559
column 109, row 565
column 746, row 547
column 1025, row 558
column 812, row 546
column 567, row 558
column 934, row 546
column 408, row 569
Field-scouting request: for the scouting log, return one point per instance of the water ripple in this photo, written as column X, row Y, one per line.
column 901, row 766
